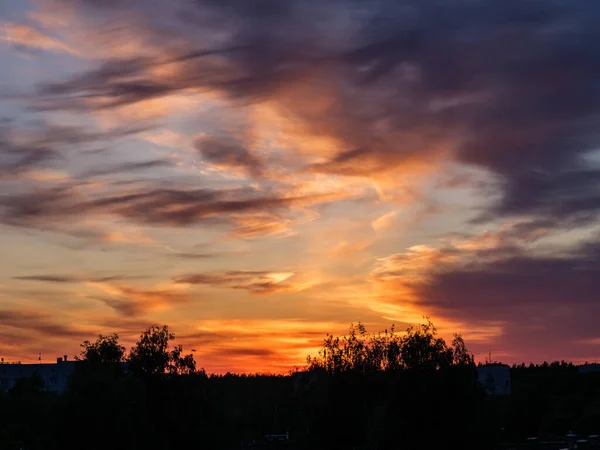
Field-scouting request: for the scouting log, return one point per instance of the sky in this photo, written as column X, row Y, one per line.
column 257, row 174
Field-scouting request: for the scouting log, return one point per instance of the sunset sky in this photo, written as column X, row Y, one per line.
column 258, row 173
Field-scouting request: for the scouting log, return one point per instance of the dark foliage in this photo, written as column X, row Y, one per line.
column 363, row 391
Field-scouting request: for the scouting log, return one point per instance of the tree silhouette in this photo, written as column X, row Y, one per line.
column 460, row 353
column 105, row 350
column 420, row 348
column 151, row 356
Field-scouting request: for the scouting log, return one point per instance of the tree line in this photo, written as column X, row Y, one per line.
column 386, row 390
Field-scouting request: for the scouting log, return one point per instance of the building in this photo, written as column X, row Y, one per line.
column 55, row 376
column 495, row 378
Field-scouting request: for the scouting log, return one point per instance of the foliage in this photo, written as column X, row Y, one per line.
column 420, row 348
column 151, row 356
column 105, row 350
column 460, row 354
column 371, row 391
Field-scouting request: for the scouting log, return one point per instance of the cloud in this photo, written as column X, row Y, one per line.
column 72, row 278
column 41, row 146
column 248, row 351
column 123, row 236
column 545, row 302
column 384, row 222
column 186, row 255
column 250, row 226
column 230, row 155
column 255, row 282
column 48, row 278
column 345, row 248
column 16, row 159
column 535, row 301
column 131, row 301
column 127, row 167
column 167, row 207
column 37, row 324
column 25, row 37
column 115, row 83
column 391, row 87
column 128, row 301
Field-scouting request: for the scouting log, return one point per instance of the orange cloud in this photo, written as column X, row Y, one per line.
column 344, row 248
column 259, row 225
column 128, row 237
column 131, row 301
column 384, row 222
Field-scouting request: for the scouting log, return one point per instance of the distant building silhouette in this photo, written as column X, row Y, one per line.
column 55, row 376
column 495, row 378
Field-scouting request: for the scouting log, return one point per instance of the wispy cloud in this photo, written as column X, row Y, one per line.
column 132, row 301
column 23, row 36
column 37, row 324
column 127, row 167
column 385, row 221
column 123, row 298
column 73, row 278
column 383, row 102
column 255, row 282
column 230, row 155
column 174, row 207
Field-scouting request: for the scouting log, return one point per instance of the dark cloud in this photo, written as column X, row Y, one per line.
column 230, row 155
column 508, row 86
column 221, row 278
column 487, row 290
column 73, row 279
column 235, row 351
column 174, row 207
column 48, row 278
column 178, row 207
column 121, row 85
column 544, row 303
column 115, row 278
column 127, row 167
column 124, row 307
column 42, row 145
column 203, row 337
column 37, row 323
column 16, row 158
